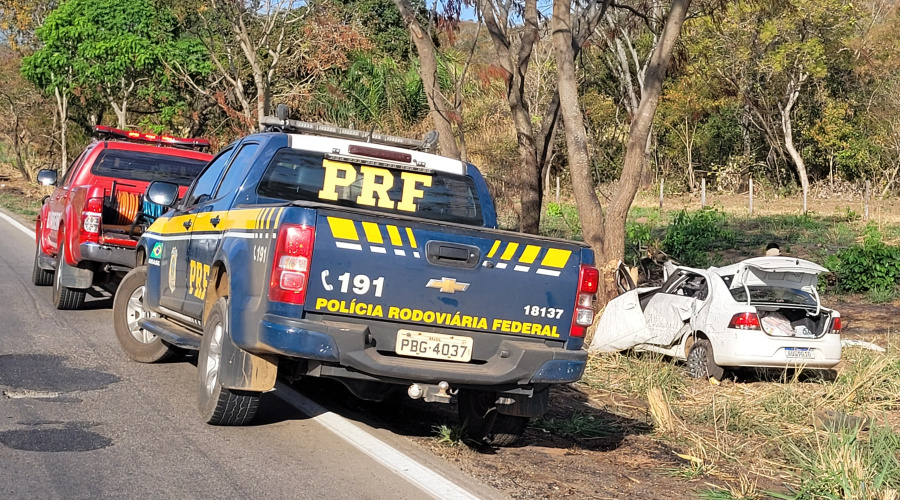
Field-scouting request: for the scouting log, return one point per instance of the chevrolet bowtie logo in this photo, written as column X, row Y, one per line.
column 447, row 285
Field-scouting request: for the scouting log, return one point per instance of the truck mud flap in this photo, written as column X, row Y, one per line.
column 244, row 371
column 521, row 405
column 75, row 277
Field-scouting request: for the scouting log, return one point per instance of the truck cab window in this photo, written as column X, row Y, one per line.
column 205, row 184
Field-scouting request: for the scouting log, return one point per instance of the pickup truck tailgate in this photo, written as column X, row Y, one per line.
column 440, row 276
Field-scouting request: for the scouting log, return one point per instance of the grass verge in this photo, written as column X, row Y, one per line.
column 788, row 434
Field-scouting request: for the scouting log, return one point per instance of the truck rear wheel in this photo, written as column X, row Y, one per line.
column 218, row 405
column 40, row 277
column 65, row 299
column 128, row 308
column 482, row 423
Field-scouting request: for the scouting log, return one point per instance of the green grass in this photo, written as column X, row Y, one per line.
column 579, row 425
column 19, row 204
column 881, row 295
column 765, row 426
column 449, row 435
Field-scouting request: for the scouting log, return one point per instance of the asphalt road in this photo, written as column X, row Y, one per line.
column 78, row 419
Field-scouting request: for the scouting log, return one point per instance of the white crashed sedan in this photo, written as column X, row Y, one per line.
column 761, row 312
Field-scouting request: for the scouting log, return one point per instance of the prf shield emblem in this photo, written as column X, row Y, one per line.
column 173, row 267
column 447, row 285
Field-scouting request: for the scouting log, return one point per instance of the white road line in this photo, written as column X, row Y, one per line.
column 18, row 225
column 428, row 480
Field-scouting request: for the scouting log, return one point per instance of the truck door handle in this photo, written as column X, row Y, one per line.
column 215, row 221
column 187, row 224
column 445, row 253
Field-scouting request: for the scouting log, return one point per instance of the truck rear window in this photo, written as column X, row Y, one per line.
column 147, row 167
column 300, row 175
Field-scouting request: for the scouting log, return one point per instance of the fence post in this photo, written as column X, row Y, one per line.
column 868, row 194
column 751, row 196
column 703, row 192
column 557, row 190
column 662, row 183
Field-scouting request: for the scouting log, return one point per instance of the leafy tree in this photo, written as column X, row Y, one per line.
column 23, row 115
column 441, row 114
column 605, row 232
column 383, row 25
column 105, row 48
column 20, row 18
column 770, row 54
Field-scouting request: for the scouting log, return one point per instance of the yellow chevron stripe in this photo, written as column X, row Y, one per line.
column 529, row 254
column 202, row 221
column 373, row 234
column 395, row 236
column 343, row 229
column 556, row 257
column 510, row 251
column 494, row 249
column 412, row 239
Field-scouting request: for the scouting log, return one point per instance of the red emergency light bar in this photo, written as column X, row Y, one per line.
column 152, row 138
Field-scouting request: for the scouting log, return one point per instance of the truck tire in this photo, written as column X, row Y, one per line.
column 64, row 299
column 701, row 363
column 128, row 307
column 482, row 423
column 218, row 405
column 40, row 277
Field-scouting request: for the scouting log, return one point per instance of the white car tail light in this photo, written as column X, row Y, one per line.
column 744, row 321
column 835, row 325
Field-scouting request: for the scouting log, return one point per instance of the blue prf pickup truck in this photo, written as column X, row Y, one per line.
column 312, row 250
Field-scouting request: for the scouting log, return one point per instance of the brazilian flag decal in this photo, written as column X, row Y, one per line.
column 157, row 250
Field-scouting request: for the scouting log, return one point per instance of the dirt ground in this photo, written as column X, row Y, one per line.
column 628, row 461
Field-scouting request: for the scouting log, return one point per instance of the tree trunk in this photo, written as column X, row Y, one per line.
column 635, row 155
column 793, row 93
column 428, row 68
column 589, row 209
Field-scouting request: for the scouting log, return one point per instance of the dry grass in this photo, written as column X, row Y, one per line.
column 801, row 433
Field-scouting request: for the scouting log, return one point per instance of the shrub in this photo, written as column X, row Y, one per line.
column 692, row 235
column 872, row 265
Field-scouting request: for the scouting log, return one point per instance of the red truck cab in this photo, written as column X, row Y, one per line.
column 88, row 228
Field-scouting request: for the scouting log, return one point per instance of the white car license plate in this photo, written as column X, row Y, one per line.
column 434, row 346
column 799, row 352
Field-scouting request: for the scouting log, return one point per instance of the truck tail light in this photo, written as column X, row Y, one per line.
column 588, row 282
column 90, row 220
column 744, row 321
column 835, row 325
column 290, row 266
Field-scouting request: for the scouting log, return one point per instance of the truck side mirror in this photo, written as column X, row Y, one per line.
column 162, row 193
column 47, row 177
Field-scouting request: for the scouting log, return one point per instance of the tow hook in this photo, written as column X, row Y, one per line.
column 439, row 393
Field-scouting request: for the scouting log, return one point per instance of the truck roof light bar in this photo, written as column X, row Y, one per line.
column 378, row 163
column 275, row 124
column 133, row 135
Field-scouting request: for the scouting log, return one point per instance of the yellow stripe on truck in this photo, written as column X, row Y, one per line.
column 556, row 257
column 510, row 251
column 373, row 234
column 395, row 236
column 529, row 254
column 343, row 229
